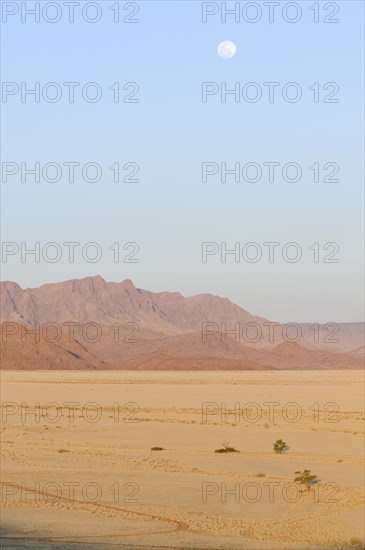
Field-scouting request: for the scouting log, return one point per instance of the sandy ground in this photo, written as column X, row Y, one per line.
column 83, row 475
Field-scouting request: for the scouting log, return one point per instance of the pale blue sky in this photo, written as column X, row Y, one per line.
column 170, row 132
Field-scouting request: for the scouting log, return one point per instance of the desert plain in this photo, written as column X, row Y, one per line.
column 77, row 469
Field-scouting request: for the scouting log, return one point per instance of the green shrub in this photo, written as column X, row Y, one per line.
column 280, row 446
column 306, row 478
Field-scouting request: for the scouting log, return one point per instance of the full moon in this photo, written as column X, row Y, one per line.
column 227, row 49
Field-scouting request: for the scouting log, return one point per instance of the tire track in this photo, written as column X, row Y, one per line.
column 179, row 525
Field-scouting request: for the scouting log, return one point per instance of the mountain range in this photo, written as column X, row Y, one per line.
column 93, row 324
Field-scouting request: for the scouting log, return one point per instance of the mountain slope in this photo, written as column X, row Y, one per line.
column 90, row 323
column 18, row 353
column 94, row 300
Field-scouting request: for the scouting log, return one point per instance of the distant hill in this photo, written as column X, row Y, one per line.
column 156, row 331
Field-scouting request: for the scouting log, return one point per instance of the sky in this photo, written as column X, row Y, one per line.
column 161, row 133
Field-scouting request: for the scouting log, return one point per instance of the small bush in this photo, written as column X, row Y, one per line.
column 157, row 449
column 260, row 474
column 226, row 449
column 63, row 451
column 306, row 478
column 280, row 446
